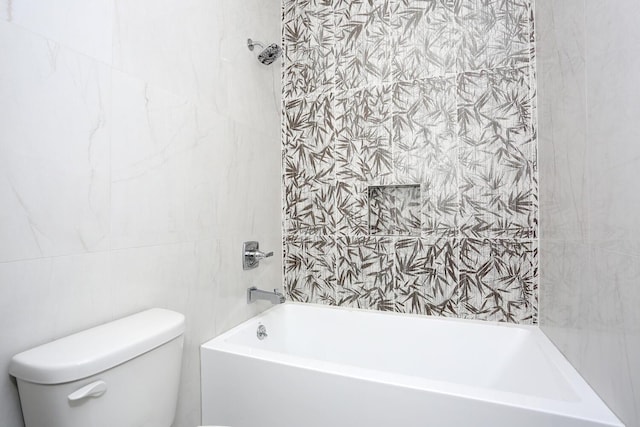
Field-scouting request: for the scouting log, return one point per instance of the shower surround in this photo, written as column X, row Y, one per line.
column 409, row 156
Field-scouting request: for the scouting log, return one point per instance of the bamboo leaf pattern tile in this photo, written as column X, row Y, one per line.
column 424, row 39
column 308, row 162
column 496, row 154
column 365, row 273
column 426, row 274
column 351, row 209
column 363, row 35
column 308, row 34
column 493, row 34
column 424, row 127
column 499, row 280
column 309, row 269
column 410, row 156
column 363, row 147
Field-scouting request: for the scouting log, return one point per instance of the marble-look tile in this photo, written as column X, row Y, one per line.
column 154, row 137
column 243, row 88
column 195, row 143
column 158, row 43
column 562, row 282
column 606, row 300
column 54, row 183
column 612, row 91
column 86, row 27
column 6, row 10
column 612, row 25
column 560, row 29
column 562, row 101
column 180, row 172
column 198, row 49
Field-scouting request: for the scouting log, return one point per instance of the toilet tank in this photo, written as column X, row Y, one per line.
column 121, row 374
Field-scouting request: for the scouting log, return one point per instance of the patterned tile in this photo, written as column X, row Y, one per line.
column 426, row 276
column 363, row 149
column 308, row 141
column 363, row 34
column 493, row 34
column 496, row 149
column 351, row 209
column 439, row 94
column 395, row 210
column 309, row 210
column 424, row 127
column 424, row 39
column 309, row 176
column 308, row 33
column 499, row 280
column 425, row 149
column 365, row 273
column 309, row 270
column 440, row 212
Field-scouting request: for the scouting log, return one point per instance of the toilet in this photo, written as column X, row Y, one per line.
column 124, row 373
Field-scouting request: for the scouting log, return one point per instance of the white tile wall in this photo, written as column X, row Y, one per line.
column 139, row 146
column 589, row 165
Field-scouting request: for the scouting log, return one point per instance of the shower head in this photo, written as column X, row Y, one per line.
column 268, row 54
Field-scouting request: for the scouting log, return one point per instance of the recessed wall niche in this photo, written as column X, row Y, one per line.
column 394, row 210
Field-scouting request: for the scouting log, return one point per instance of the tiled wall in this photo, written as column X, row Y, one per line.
column 409, row 156
column 589, row 63
column 131, row 133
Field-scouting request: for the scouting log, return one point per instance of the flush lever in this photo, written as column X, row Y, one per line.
column 95, row 389
column 251, row 255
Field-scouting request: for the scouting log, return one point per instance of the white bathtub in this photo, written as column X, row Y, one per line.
column 333, row 367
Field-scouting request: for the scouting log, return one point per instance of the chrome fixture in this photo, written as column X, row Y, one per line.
column 251, row 255
column 268, row 54
column 254, row 294
column 261, row 333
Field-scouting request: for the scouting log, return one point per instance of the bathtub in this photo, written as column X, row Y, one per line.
column 333, row 367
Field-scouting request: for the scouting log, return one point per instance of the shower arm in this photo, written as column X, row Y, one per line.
column 251, row 44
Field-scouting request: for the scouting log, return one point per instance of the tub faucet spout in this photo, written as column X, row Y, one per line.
column 254, row 294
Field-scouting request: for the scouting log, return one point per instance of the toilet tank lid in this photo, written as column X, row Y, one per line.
column 97, row 349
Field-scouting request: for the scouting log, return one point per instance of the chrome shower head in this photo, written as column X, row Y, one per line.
column 268, row 54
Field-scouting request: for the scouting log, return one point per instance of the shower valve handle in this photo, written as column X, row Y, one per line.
column 251, row 255
column 258, row 254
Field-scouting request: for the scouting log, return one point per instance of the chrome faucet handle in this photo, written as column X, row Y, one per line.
column 259, row 254
column 251, row 255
